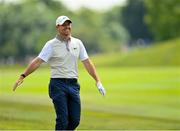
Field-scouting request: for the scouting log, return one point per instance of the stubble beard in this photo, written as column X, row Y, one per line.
column 65, row 36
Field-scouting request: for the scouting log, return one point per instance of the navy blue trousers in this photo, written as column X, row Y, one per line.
column 66, row 99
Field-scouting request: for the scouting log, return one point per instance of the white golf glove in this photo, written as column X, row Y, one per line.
column 101, row 88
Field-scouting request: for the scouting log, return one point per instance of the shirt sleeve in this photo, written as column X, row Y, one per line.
column 46, row 52
column 83, row 53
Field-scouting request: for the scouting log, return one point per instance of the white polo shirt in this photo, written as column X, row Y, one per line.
column 63, row 57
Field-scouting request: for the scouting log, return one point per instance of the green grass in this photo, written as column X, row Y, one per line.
column 137, row 98
column 159, row 54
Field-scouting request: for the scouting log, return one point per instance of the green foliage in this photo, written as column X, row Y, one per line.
column 100, row 32
column 26, row 26
column 21, row 26
column 163, row 18
column 113, row 26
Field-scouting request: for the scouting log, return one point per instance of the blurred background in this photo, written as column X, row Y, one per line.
column 135, row 45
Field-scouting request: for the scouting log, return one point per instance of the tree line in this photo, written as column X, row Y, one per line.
column 26, row 25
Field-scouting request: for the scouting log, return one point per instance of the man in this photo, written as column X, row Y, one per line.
column 62, row 54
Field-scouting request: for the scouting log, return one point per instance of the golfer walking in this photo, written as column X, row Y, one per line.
column 62, row 53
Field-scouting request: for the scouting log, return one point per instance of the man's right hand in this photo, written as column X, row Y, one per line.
column 35, row 63
column 18, row 82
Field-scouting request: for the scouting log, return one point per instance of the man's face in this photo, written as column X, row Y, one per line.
column 65, row 28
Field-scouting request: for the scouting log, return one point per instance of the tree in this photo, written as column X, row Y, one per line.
column 25, row 26
column 100, row 32
column 113, row 25
column 163, row 18
column 133, row 20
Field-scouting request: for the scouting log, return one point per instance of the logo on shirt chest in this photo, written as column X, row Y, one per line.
column 74, row 51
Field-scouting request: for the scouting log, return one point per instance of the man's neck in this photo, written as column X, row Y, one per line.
column 63, row 38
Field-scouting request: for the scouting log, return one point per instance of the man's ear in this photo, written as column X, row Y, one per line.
column 57, row 26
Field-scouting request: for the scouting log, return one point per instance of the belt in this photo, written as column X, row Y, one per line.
column 66, row 80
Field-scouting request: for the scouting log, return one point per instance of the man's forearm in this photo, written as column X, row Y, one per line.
column 91, row 69
column 33, row 66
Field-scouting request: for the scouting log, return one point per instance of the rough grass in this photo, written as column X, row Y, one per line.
column 160, row 54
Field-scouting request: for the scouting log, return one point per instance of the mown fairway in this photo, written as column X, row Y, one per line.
column 137, row 98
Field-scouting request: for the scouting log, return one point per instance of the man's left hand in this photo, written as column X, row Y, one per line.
column 101, row 88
